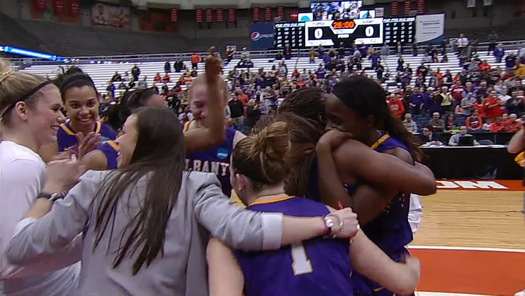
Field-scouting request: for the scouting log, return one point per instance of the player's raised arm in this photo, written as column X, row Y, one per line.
column 214, row 133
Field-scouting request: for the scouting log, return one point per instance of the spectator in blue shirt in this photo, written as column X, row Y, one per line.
column 499, row 53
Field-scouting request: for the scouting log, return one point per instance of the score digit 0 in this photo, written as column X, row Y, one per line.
column 369, row 31
column 318, row 33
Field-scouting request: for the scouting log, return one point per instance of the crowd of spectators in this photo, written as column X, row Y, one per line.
column 429, row 101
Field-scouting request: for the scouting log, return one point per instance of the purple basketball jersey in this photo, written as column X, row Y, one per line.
column 67, row 140
column 390, row 231
column 314, row 267
column 214, row 160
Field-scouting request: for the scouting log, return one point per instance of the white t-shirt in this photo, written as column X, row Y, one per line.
column 22, row 174
column 462, row 42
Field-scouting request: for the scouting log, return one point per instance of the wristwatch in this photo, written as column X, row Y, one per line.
column 329, row 224
column 51, row 196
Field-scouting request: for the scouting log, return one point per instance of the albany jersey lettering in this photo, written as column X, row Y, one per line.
column 214, row 160
column 313, row 267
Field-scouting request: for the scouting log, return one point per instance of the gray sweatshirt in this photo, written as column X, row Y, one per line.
column 200, row 211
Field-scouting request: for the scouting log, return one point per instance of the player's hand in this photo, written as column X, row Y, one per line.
column 62, row 175
column 412, row 269
column 413, row 264
column 64, row 155
column 345, row 223
column 332, row 139
column 213, row 69
column 88, row 143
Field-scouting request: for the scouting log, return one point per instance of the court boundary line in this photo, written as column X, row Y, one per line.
column 468, row 249
column 426, row 293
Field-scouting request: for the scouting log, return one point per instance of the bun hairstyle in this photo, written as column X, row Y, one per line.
column 72, row 77
column 304, row 135
column 17, row 86
column 263, row 157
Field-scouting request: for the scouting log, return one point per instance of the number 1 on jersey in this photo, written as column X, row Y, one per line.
column 301, row 264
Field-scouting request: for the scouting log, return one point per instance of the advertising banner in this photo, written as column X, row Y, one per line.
column 430, row 28
column 262, row 36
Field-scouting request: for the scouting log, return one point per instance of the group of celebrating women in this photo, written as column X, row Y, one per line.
column 319, row 193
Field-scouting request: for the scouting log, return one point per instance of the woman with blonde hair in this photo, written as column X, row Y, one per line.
column 30, row 114
column 216, row 158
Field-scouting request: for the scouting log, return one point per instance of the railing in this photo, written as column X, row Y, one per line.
column 258, row 54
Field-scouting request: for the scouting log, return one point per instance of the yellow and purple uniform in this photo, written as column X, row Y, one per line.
column 314, row 267
column 67, row 140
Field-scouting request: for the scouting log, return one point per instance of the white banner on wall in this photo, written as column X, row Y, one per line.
column 487, row 2
column 471, row 3
column 110, row 16
column 430, row 28
column 380, row 12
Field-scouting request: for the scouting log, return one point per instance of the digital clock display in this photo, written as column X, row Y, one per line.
column 343, row 24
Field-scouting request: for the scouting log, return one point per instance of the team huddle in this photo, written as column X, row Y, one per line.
column 314, row 201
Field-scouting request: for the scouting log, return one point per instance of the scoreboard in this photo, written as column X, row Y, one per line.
column 331, row 33
column 371, row 31
column 399, row 30
column 289, row 33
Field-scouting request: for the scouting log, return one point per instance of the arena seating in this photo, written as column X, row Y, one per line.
column 101, row 73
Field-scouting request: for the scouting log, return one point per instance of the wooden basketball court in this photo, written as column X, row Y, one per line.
column 472, row 239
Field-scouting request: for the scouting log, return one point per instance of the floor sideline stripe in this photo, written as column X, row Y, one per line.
column 445, row 294
column 468, row 249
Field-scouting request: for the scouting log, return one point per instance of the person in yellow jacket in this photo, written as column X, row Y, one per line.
column 520, row 70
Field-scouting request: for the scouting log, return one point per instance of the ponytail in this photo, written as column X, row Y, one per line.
column 395, row 128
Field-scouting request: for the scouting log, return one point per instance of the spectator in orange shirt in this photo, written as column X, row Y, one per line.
column 474, row 121
column 439, row 77
column 296, row 74
column 493, row 105
column 512, row 125
column 300, row 83
column 479, row 106
column 485, row 66
column 243, row 97
column 195, row 60
column 166, row 78
column 396, row 105
column 157, row 78
column 496, row 126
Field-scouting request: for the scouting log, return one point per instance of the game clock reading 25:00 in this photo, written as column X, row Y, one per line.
column 331, row 33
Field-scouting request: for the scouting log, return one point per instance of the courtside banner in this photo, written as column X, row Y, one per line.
column 262, row 36
column 483, row 185
column 430, row 28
